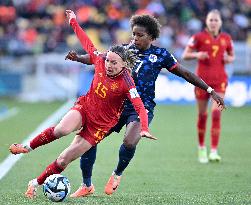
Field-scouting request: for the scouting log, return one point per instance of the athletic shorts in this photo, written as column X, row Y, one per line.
column 128, row 116
column 90, row 131
column 204, row 95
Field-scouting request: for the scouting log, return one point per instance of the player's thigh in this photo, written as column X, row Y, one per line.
column 78, row 147
column 72, row 121
column 220, row 89
column 202, row 98
column 202, row 106
column 132, row 134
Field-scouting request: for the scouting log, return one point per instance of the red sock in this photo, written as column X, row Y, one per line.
column 53, row 168
column 201, row 128
column 43, row 138
column 215, row 129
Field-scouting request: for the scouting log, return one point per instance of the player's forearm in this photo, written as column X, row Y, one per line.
column 83, row 38
column 230, row 59
column 142, row 112
column 85, row 59
column 190, row 77
column 195, row 80
column 190, row 55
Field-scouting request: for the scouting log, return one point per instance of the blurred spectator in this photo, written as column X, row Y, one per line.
column 35, row 26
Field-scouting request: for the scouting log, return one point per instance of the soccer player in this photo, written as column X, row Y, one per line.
column 93, row 114
column 213, row 49
column 145, row 29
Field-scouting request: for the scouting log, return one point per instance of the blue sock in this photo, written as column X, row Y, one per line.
column 87, row 181
column 87, row 161
column 125, row 156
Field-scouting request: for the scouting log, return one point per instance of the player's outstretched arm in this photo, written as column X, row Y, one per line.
column 80, row 33
column 73, row 56
column 196, row 81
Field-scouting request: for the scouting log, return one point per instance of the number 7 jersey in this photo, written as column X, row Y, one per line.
column 212, row 69
column 145, row 73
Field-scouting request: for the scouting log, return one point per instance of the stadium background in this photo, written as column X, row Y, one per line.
column 34, row 39
column 35, row 81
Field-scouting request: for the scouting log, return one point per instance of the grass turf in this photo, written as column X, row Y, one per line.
column 165, row 171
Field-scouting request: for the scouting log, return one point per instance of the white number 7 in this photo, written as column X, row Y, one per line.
column 140, row 64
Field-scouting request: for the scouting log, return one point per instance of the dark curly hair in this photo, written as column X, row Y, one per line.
column 127, row 56
column 150, row 23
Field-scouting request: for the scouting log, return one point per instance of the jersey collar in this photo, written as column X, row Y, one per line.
column 214, row 37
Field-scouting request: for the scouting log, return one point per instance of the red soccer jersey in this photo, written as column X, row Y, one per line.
column 212, row 70
column 104, row 101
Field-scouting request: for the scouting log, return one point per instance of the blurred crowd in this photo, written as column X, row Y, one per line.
column 35, row 26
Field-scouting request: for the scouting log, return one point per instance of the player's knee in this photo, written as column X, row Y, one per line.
column 62, row 161
column 130, row 143
column 60, row 131
column 216, row 117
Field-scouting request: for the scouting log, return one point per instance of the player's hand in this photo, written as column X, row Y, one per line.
column 227, row 58
column 202, row 55
column 147, row 135
column 72, row 55
column 219, row 100
column 70, row 15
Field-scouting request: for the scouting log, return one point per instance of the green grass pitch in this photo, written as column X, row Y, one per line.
column 165, row 171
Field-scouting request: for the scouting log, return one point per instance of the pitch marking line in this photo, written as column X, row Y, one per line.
column 11, row 160
column 9, row 113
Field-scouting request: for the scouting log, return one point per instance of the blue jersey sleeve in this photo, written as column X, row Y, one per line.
column 169, row 61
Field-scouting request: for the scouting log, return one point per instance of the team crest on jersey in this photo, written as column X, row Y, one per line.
column 153, row 58
column 114, row 86
column 134, row 93
column 97, row 53
column 207, row 41
column 100, row 75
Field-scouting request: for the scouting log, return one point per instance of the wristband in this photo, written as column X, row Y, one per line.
column 209, row 90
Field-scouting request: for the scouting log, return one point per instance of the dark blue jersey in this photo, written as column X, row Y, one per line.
column 145, row 73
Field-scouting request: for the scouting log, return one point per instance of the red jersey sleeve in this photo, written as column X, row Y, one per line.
column 229, row 45
column 193, row 42
column 84, row 40
column 137, row 103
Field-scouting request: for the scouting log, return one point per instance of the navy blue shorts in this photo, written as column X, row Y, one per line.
column 127, row 117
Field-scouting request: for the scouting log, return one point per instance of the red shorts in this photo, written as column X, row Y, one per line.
column 89, row 131
column 204, row 95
